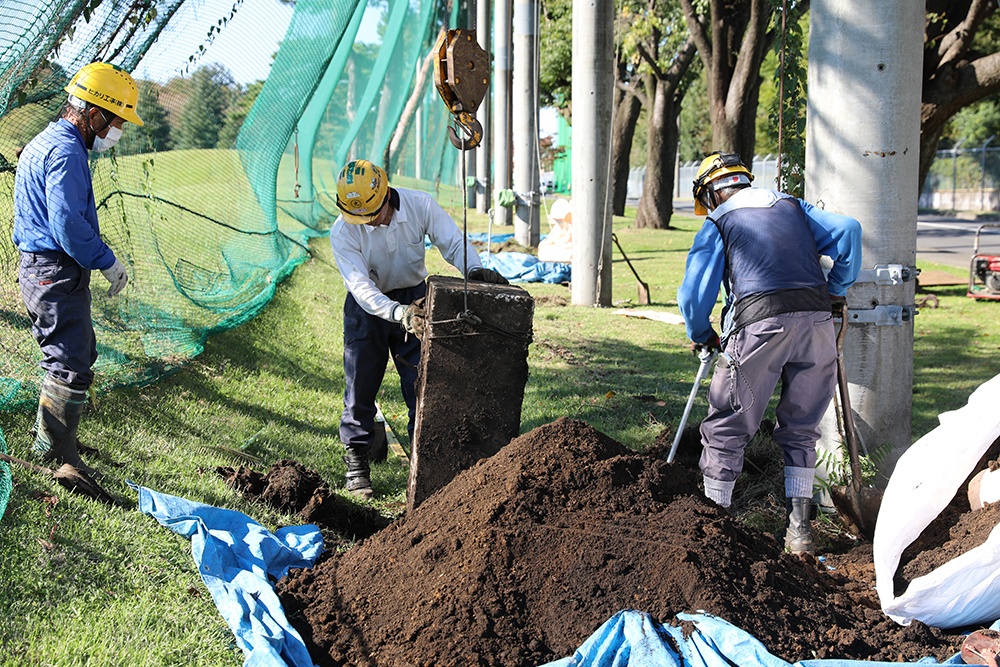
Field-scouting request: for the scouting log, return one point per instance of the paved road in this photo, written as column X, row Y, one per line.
column 949, row 240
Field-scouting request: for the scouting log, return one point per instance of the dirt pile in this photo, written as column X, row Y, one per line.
column 291, row 487
column 523, row 556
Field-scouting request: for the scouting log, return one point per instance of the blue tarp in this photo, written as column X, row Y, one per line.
column 634, row 639
column 519, row 267
column 238, row 560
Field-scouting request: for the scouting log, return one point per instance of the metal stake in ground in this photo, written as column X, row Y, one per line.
column 707, row 357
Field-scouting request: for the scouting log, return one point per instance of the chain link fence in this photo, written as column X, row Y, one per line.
column 960, row 179
column 963, row 179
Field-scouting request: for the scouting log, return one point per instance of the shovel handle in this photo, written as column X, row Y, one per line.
column 26, row 464
column 634, row 272
column 845, row 408
column 706, row 358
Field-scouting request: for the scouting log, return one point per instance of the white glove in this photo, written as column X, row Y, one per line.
column 117, row 276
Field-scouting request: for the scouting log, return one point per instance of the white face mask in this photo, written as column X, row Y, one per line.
column 102, row 144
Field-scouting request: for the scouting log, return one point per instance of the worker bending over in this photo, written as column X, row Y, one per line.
column 777, row 324
column 378, row 243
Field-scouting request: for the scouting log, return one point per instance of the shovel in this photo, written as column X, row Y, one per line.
column 69, row 477
column 857, row 505
column 643, row 287
column 981, row 648
column 706, row 356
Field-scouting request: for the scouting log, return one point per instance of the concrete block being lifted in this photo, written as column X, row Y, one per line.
column 470, row 384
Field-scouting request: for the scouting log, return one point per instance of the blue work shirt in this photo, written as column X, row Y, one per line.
column 837, row 237
column 54, row 206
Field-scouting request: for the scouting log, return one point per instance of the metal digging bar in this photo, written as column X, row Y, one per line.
column 706, row 357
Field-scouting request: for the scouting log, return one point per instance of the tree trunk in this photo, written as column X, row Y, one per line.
column 656, row 206
column 732, row 41
column 930, row 136
column 403, row 125
column 621, row 147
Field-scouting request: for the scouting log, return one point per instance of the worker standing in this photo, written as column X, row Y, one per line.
column 59, row 239
column 777, row 324
column 378, row 244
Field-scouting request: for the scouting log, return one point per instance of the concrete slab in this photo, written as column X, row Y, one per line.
column 471, row 379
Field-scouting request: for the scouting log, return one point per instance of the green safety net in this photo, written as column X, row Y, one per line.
column 213, row 201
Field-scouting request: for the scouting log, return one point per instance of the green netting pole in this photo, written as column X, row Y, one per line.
column 394, row 27
column 313, row 115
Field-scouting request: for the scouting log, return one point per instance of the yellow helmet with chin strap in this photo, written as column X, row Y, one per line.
column 362, row 191
column 108, row 87
column 718, row 170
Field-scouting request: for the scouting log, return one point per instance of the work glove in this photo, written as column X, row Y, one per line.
column 487, row 276
column 838, row 306
column 713, row 344
column 413, row 319
column 117, row 276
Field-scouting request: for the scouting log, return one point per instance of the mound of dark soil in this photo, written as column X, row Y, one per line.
column 293, row 488
column 520, row 558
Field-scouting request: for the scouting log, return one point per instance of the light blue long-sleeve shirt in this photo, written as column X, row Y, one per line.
column 837, row 237
column 54, row 206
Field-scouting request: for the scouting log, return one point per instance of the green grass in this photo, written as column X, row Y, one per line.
column 83, row 584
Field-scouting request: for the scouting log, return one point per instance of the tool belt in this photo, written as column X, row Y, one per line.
column 756, row 307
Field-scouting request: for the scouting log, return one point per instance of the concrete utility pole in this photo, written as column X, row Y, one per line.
column 593, row 89
column 485, row 151
column 501, row 109
column 525, row 117
column 862, row 153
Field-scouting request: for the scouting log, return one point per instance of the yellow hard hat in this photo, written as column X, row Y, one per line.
column 362, row 191
column 108, row 87
column 714, row 167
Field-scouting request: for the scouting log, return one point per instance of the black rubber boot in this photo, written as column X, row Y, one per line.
column 59, row 410
column 798, row 532
column 358, row 473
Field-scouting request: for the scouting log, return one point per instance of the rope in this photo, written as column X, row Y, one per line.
column 469, row 318
column 296, row 161
column 465, row 229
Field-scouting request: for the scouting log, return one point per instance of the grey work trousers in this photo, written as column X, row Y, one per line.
column 799, row 350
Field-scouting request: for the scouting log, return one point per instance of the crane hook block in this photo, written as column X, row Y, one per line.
column 462, row 78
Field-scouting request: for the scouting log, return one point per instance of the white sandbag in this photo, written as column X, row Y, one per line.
column 984, row 488
column 557, row 246
column 966, row 589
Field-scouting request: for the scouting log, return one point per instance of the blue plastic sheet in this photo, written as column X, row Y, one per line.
column 519, row 267
column 238, row 559
column 634, row 639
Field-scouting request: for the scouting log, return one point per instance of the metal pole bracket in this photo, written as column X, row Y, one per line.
column 883, row 315
column 887, row 274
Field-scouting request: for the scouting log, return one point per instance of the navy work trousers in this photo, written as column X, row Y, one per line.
column 56, row 293
column 368, row 343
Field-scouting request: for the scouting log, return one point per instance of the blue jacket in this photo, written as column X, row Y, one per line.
column 836, row 236
column 54, row 206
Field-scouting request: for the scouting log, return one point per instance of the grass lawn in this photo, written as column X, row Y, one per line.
column 83, row 584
